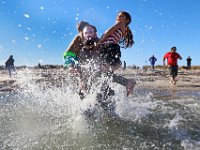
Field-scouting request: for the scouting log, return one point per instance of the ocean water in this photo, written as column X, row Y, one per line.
column 45, row 116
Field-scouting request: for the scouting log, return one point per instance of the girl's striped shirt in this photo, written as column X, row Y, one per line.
column 114, row 38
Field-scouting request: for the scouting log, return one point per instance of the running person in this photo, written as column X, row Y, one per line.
column 152, row 60
column 172, row 61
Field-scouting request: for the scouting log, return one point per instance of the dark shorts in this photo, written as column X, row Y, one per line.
column 111, row 54
column 173, row 70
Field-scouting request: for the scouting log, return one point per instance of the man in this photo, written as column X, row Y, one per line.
column 152, row 61
column 172, row 59
column 124, row 65
column 189, row 62
column 10, row 65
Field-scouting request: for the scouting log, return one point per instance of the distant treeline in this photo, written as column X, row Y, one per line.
column 39, row 66
column 36, row 67
column 165, row 67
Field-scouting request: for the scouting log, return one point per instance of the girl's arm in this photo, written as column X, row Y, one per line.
column 76, row 45
column 110, row 31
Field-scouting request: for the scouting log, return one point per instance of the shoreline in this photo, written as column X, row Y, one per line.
column 188, row 80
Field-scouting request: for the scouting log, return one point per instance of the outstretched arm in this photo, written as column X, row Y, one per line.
column 164, row 61
column 111, row 31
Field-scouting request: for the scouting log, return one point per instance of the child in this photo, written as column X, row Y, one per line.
column 172, row 58
column 117, row 36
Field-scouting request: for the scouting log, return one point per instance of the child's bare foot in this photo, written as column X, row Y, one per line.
column 173, row 82
column 129, row 87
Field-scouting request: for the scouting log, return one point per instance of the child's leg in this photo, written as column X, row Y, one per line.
column 129, row 83
column 174, row 79
column 119, row 79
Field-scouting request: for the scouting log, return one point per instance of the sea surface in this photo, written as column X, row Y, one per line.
column 38, row 116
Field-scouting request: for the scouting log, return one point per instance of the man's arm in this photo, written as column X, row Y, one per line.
column 180, row 57
column 149, row 59
column 164, row 61
column 164, row 57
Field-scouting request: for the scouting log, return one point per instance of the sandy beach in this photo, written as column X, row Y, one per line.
column 187, row 80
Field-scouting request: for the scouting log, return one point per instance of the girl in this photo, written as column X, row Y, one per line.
column 117, row 36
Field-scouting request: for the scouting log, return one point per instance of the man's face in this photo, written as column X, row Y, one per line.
column 89, row 33
column 174, row 50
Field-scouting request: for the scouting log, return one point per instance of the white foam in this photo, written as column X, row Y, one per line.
column 190, row 144
column 175, row 121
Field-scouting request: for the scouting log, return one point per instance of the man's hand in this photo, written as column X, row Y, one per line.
column 163, row 63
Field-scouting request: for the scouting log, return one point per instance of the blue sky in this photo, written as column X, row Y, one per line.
column 40, row 30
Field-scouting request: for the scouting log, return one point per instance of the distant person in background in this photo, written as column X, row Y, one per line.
column 189, row 62
column 152, row 61
column 172, row 61
column 124, row 65
column 10, row 65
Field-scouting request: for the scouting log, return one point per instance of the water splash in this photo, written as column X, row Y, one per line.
column 43, row 114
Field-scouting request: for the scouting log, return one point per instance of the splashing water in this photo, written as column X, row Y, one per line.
column 50, row 115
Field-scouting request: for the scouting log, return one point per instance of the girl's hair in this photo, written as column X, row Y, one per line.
column 81, row 25
column 128, row 36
